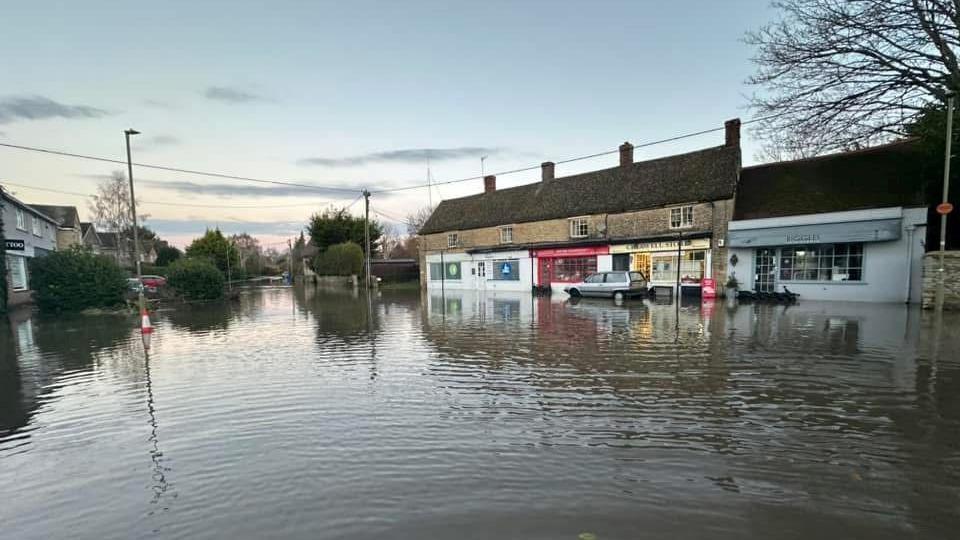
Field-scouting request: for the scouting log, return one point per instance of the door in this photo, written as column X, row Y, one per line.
column 481, row 275
column 765, row 270
column 616, row 281
column 621, row 261
column 592, row 286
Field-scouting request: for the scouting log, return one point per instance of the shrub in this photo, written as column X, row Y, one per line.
column 344, row 259
column 167, row 254
column 195, row 279
column 76, row 279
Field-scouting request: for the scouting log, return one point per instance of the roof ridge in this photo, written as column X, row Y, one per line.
column 885, row 146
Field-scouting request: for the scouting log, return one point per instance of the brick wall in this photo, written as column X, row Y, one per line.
column 931, row 274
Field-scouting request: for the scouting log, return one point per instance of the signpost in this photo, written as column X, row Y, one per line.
column 944, row 208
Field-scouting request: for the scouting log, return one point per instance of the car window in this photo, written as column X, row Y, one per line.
column 595, row 278
column 616, row 277
column 637, row 276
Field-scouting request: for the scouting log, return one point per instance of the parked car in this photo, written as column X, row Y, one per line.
column 134, row 285
column 616, row 284
column 152, row 283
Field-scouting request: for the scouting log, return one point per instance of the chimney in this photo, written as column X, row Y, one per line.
column 732, row 130
column 546, row 170
column 489, row 183
column 626, row 154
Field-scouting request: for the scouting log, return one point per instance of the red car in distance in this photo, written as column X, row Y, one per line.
column 152, row 283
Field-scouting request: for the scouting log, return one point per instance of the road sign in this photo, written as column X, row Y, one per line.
column 944, row 208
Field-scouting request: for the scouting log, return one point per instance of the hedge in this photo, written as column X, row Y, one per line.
column 195, row 279
column 75, row 279
column 344, row 259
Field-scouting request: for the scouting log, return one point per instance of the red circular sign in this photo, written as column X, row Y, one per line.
column 944, row 208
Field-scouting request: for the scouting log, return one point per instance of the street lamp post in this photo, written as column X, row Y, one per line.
column 946, row 199
column 133, row 210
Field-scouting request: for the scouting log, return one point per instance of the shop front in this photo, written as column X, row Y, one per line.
column 558, row 266
column 659, row 263
column 864, row 255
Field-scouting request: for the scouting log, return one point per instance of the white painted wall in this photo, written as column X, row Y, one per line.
column 470, row 281
column 891, row 273
column 604, row 263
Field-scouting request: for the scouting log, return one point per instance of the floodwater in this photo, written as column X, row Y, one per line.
column 318, row 414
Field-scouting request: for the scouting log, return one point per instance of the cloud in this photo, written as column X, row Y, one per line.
column 410, row 155
column 158, row 141
column 40, row 108
column 247, row 190
column 232, row 95
column 196, row 225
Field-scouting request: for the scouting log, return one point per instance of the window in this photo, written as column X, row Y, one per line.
column 453, row 240
column 21, row 221
column 692, row 266
column 595, row 278
column 579, row 228
column 444, row 271
column 822, row 262
column 507, row 270
column 637, row 276
column 37, row 229
column 506, row 235
column 18, row 272
column 616, row 277
column 681, row 216
column 566, row 270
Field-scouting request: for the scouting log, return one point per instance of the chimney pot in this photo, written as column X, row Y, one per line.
column 732, row 131
column 626, row 154
column 546, row 170
column 489, row 183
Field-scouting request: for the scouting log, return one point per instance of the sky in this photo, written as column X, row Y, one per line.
column 351, row 95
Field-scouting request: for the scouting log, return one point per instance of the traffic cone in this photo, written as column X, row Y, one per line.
column 145, row 326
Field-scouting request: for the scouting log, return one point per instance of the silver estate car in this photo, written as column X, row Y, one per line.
column 616, row 284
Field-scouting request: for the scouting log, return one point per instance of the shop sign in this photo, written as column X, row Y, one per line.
column 571, row 252
column 14, row 245
column 875, row 230
column 708, row 288
column 666, row 245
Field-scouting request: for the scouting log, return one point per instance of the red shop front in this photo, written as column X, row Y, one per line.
column 567, row 265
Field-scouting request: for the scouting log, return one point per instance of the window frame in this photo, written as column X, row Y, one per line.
column 22, row 268
column 21, row 220
column 576, row 223
column 503, row 230
column 823, row 259
column 455, row 237
column 35, row 225
column 682, row 211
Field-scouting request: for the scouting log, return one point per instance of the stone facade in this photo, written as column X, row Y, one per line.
column 931, row 275
column 708, row 218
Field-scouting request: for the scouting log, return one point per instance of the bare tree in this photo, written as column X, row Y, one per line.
column 418, row 219
column 837, row 74
column 111, row 210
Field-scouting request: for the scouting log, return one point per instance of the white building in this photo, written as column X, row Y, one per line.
column 844, row 227
column 509, row 270
column 27, row 233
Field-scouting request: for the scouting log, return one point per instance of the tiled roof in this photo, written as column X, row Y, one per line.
column 66, row 216
column 878, row 177
column 107, row 239
column 704, row 175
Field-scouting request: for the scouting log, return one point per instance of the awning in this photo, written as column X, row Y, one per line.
column 877, row 230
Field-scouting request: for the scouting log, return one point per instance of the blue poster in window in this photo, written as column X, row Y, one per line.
column 505, row 269
column 508, row 270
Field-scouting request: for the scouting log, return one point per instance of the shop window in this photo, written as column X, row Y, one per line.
column 822, row 262
column 447, row 271
column 18, row 272
column 436, row 271
column 506, row 235
column 453, row 240
column 681, row 217
column 579, row 228
column 692, row 267
column 506, row 270
column 21, row 220
column 567, row 270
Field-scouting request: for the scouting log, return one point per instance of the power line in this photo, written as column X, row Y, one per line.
column 168, row 203
column 578, row 158
column 176, row 169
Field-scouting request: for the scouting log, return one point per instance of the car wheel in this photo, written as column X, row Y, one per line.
column 619, row 296
column 575, row 293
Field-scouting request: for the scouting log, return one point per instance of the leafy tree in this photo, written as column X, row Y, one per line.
column 340, row 260
column 196, row 279
column 839, row 74
column 214, row 247
column 167, row 255
column 336, row 226
column 75, row 279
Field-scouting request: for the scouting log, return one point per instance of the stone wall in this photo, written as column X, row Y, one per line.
column 931, row 274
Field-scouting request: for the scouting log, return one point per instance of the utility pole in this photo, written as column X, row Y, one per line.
column 366, row 232
column 290, row 259
column 946, row 200
column 133, row 210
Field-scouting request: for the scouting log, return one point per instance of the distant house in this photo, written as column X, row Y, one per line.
column 120, row 248
column 846, row 227
column 69, row 232
column 109, row 242
column 89, row 238
column 27, row 233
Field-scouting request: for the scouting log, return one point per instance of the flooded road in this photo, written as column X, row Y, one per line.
column 320, row 414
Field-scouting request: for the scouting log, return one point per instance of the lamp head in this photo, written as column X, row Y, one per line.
column 131, row 132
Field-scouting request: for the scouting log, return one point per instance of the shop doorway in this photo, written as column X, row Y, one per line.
column 481, row 275
column 641, row 263
column 765, row 270
column 621, row 262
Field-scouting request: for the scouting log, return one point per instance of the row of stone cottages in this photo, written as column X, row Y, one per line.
column 34, row 230
column 848, row 226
